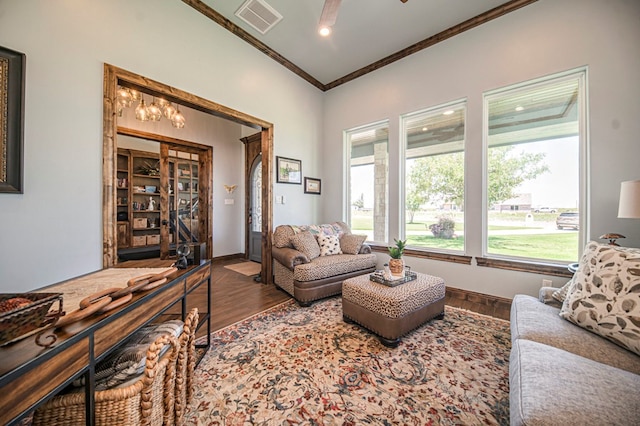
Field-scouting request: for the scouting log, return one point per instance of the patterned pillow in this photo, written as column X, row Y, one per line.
column 329, row 245
column 306, row 243
column 351, row 243
column 605, row 295
column 561, row 293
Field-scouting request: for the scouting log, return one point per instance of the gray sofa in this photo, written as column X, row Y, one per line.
column 307, row 276
column 562, row 374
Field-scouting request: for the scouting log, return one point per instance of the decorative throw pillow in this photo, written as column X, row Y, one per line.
column 605, row 295
column 561, row 293
column 329, row 245
column 306, row 243
column 351, row 243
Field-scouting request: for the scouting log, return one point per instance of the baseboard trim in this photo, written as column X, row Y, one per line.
column 483, row 303
column 229, row 257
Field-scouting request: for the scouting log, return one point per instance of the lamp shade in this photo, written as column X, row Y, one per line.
column 629, row 199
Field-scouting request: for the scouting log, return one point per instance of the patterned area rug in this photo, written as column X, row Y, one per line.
column 293, row 366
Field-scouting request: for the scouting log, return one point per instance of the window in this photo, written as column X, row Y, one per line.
column 534, row 137
column 434, row 177
column 368, row 196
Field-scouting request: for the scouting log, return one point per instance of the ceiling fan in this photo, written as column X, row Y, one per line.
column 329, row 15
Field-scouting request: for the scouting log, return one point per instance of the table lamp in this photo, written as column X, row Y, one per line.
column 629, row 206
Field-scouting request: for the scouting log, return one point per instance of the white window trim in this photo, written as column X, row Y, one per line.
column 402, row 168
column 346, row 165
column 584, row 184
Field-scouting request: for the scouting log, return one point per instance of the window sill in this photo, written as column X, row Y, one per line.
column 424, row 254
column 536, row 268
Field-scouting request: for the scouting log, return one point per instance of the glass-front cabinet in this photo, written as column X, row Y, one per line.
column 158, row 198
column 183, row 197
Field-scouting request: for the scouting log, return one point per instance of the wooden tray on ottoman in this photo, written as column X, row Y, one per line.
column 22, row 322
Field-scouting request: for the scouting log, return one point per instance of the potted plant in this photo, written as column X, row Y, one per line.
column 396, row 264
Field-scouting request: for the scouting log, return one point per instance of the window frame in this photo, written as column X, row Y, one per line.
column 346, row 144
column 521, row 263
column 463, row 103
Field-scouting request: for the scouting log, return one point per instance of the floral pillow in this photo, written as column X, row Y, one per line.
column 605, row 295
column 329, row 245
column 306, row 243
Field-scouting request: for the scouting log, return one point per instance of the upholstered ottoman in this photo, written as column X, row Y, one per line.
column 391, row 312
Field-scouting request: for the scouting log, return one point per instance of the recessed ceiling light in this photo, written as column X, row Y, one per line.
column 425, row 128
column 519, row 108
column 449, row 112
column 324, row 31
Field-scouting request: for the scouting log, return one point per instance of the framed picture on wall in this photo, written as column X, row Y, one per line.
column 12, row 66
column 312, row 186
column 288, row 170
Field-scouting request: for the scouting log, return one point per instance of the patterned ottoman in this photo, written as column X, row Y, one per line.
column 391, row 312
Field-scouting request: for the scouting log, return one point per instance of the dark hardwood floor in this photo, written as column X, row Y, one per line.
column 236, row 297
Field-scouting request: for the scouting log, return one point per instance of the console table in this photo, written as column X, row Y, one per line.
column 30, row 374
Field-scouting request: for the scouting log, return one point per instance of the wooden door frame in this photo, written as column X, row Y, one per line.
column 113, row 76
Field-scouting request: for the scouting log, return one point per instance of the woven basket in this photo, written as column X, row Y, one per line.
column 149, row 401
column 185, row 366
column 22, row 322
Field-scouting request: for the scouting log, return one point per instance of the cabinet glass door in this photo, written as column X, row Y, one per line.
column 183, row 199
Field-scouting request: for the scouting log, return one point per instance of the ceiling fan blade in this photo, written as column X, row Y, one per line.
column 329, row 13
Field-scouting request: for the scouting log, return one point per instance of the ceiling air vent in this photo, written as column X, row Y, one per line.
column 261, row 16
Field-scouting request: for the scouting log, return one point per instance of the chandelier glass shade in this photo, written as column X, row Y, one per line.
column 154, row 111
column 178, row 120
column 125, row 99
column 142, row 113
column 169, row 111
column 136, row 96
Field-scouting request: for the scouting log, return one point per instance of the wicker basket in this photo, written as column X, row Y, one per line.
column 149, row 401
column 22, row 322
column 185, row 366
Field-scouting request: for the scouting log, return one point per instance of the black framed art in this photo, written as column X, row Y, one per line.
column 288, row 170
column 12, row 66
column 312, row 185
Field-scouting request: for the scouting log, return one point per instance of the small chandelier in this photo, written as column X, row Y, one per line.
column 158, row 108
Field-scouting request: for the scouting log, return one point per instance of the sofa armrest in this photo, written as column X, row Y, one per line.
column 289, row 257
column 365, row 249
column 546, row 296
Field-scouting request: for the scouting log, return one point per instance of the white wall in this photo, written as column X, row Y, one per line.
column 545, row 37
column 54, row 230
